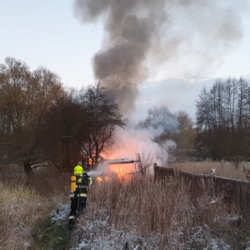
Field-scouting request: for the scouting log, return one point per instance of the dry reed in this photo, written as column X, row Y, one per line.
column 21, row 211
column 26, row 203
column 147, row 208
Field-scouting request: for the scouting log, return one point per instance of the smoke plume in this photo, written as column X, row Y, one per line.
column 143, row 33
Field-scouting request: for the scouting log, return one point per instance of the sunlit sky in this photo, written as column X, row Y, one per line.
column 47, row 33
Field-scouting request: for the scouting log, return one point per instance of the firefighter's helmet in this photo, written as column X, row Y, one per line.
column 78, row 170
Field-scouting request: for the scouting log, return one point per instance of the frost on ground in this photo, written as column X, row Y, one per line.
column 201, row 238
column 98, row 234
column 94, row 232
column 60, row 214
column 201, row 225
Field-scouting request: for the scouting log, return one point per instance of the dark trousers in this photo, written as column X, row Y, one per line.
column 76, row 208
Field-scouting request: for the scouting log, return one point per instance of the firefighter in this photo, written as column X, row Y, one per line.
column 78, row 195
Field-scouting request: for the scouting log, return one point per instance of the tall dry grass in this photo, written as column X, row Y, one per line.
column 138, row 199
column 160, row 213
column 26, row 204
column 21, row 210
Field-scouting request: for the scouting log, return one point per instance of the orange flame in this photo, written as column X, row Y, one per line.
column 122, row 170
column 126, row 151
column 100, row 179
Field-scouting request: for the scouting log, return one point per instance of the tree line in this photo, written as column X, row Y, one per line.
column 223, row 120
column 43, row 123
column 222, row 127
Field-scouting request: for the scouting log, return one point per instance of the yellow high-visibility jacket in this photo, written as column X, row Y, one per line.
column 82, row 182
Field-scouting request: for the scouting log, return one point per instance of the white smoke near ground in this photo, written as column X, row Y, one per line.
column 101, row 168
column 160, row 120
column 133, row 141
column 129, row 143
column 140, row 139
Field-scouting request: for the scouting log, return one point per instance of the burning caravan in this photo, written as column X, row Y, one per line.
column 115, row 166
column 137, row 163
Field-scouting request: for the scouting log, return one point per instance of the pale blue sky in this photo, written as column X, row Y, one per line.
column 46, row 33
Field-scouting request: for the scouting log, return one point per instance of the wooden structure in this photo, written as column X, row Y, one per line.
column 231, row 190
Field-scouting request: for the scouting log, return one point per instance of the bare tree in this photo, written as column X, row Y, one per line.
column 62, row 126
column 81, row 126
column 223, row 119
column 40, row 121
column 25, row 97
column 101, row 118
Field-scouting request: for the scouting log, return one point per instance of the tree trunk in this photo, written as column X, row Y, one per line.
column 27, row 167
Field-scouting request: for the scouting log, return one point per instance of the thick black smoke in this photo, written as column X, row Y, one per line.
column 139, row 31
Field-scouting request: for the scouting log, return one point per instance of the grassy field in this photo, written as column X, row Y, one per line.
column 223, row 169
column 144, row 214
column 135, row 213
column 25, row 208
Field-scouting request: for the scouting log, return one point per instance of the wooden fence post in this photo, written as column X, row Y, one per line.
column 155, row 174
column 212, row 179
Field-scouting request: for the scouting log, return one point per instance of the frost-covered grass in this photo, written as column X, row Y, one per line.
column 60, row 214
column 144, row 214
column 26, row 205
column 21, row 210
column 139, row 213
